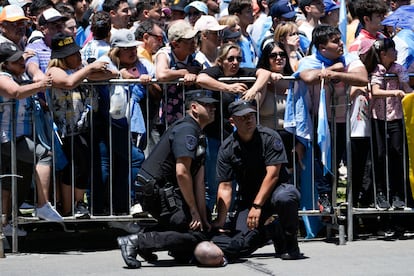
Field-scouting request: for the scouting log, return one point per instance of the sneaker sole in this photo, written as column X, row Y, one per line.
column 381, row 209
column 82, row 216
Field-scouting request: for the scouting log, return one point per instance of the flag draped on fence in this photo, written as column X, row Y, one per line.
column 343, row 22
column 324, row 134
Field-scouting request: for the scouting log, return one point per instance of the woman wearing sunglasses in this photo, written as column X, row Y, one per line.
column 272, row 100
column 227, row 65
column 287, row 36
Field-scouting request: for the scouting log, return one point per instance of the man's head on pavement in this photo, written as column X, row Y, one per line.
column 209, row 254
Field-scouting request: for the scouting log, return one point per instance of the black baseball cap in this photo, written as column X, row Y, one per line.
column 63, row 46
column 9, row 52
column 178, row 5
column 202, row 96
column 242, row 107
column 229, row 34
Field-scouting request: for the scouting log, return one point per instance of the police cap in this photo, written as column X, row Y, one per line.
column 241, row 107
column 201, row 96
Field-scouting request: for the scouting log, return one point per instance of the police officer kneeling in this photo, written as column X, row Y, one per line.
column 253, row 156
column 171, row 179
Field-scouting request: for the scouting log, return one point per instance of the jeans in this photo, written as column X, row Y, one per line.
column 121, row 193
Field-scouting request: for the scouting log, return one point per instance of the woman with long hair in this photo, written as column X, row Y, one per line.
column 272, row 100
column 287, row 37
column 70, row 103
column 123, row 60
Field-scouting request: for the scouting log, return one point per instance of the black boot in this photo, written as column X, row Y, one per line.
column 129, row 252
column 291, row 251
column 277, row 235
column 130, row 248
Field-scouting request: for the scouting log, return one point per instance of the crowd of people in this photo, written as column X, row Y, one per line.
column 182, row 151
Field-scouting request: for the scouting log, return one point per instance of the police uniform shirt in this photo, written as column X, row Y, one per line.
column 180, row 140
column 246, row 162
column 216, row 72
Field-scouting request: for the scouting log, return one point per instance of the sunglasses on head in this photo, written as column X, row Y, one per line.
column 277, row 54
column 232, row 58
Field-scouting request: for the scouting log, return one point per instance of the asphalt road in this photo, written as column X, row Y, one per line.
column 95, row 253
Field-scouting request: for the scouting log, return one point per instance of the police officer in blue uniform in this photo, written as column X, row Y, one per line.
column 171, row 179
column 253, row 156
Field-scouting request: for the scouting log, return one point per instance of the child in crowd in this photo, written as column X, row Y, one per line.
column 387, row 120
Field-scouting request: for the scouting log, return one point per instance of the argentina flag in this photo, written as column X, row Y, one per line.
column 324, row 134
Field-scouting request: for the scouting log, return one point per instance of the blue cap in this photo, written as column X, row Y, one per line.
column 198, row 5
column 330, row 5
column 282, row 8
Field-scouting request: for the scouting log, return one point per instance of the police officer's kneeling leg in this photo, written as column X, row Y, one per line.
column 285, row 200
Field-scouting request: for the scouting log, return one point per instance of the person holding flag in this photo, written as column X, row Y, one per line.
column 328, row 71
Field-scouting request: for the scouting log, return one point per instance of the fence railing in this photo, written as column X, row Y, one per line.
column 110, row 215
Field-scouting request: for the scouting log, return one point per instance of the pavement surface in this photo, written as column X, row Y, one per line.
column 95, row 253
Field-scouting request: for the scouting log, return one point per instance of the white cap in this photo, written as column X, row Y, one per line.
column 20, row 3
column 123, row 38
column 51, row 15
column 208, row 23
column 12, row 13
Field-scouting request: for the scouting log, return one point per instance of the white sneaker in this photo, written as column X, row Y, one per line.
column 8, row 231
column 47, row 212
column 137, row 212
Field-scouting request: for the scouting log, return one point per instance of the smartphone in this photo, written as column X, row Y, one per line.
column 134, row 71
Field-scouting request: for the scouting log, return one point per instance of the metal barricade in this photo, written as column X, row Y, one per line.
column 13, row 175
column 352, row 210
column 110, row 216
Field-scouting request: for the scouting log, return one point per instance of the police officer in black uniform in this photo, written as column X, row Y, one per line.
column 253, row 156
column 171, row 179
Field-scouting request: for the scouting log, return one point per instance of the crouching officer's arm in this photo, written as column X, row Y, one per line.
column 200, row 195
column 185, row 183
column 266, row 189
column 223, row 203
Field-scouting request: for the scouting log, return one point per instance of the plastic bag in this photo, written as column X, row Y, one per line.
column 118, row 102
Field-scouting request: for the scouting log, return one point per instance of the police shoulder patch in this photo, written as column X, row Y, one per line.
column 278, row 144
column 190, row 142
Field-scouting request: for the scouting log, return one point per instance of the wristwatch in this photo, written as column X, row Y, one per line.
column 256, row 206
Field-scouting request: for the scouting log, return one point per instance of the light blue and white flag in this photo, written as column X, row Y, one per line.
column 343, row 22
column 324, row 134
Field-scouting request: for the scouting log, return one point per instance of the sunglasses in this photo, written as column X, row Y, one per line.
column 232, row 58
column 277, row 54
column 158, row 37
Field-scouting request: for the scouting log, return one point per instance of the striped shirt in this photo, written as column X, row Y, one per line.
column 42, row 54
